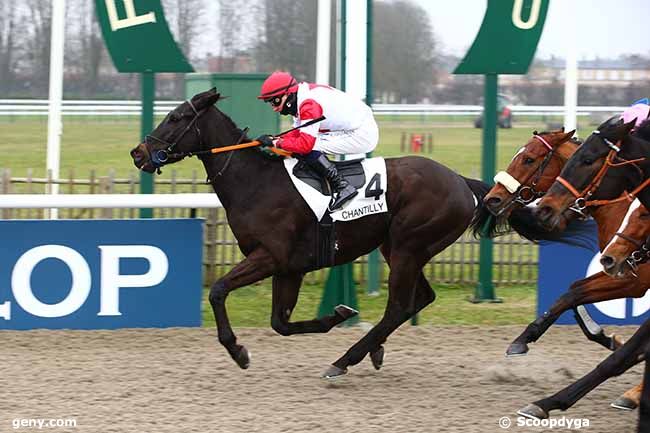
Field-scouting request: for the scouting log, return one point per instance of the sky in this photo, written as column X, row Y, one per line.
column 602, row 28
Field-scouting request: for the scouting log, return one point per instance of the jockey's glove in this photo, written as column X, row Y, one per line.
column 265, row 140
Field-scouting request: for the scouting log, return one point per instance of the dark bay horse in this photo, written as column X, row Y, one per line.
column 429, row 207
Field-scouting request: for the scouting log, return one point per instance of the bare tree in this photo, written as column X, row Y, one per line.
column 404, row 49
column 289, row 42
column 186, row 21
column 37, row 39
column 7, row 45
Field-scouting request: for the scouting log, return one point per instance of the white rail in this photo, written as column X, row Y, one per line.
column 96, row 201
column 38, row 107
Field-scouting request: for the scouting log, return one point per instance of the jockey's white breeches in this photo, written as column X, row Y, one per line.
column 355, row 142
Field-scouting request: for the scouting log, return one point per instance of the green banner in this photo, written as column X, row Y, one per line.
column 508, row 38
column 138, row 38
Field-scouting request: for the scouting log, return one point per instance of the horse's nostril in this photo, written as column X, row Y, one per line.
column 607, row 262
column 493, row 201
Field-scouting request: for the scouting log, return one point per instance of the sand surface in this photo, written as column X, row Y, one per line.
column 434, row 379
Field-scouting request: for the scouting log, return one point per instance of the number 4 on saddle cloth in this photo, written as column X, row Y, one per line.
column 368, row 176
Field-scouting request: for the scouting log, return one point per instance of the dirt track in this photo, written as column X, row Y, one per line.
column 442, row 379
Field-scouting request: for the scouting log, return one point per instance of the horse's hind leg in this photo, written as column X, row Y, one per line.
column 285, row 296
column 630, row 399
column 424, row 295
column 405, row 272
column 630, row 354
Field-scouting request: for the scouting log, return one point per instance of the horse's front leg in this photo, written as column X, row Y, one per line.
column 597, row 288
column 285, row 295
column 258, row 265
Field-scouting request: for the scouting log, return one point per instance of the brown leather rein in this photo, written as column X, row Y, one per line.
column 581, row 196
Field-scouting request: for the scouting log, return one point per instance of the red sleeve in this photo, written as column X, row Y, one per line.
column 303, row 140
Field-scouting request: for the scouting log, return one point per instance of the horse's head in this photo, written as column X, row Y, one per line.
column 531, row 171
column 177, row 136
column 627, row 249
column 584, row 173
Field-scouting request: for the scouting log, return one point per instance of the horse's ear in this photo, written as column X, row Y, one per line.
column 569, row 135
column 212, row 96
column 627, row 127
column 206, row 99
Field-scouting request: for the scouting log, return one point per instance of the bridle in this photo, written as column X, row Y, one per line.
column 520, row 192
column 582, row 197
column 161, row 156
column 639, row 256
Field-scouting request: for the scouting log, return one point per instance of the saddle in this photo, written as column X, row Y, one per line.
column 351, row 170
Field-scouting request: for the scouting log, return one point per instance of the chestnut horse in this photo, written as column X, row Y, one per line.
column 531, row 172
column 429, row 207
column 629, row 247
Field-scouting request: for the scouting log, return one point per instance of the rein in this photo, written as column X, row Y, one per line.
column 163, row 155
column 524, row 194
column 582, row 202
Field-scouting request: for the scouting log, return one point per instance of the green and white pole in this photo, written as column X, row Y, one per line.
column 485, row 289
column 146, row 126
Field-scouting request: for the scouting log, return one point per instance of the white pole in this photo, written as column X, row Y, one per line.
column 323, row 42
column 54, row 124
column 570, row 79
column 356, row 47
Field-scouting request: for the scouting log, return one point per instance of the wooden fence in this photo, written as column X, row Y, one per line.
column 515, row 259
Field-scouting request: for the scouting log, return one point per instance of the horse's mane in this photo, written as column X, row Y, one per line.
column 229, row 122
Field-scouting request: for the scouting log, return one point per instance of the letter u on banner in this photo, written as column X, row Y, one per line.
column 518, row 7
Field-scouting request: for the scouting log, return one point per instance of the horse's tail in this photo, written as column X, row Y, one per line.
column 483, row 224
column 520, row 220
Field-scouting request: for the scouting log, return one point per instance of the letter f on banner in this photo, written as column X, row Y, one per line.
column 112, row 281
column 132, row 19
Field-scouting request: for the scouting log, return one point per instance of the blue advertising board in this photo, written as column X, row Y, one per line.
column 100, row 274
column 561, row 264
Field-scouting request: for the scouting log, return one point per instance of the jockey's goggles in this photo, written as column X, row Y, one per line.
column 274, row 101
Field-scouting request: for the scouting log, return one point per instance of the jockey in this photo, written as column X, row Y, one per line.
column 348, row 128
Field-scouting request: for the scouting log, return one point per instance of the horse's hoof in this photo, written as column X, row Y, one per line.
column 243, row 358
column 377, row 358
column 517, row 349
column 345, row 312
column 617, row 341
column 624, row 403
column 533, row 411
column 333, row 372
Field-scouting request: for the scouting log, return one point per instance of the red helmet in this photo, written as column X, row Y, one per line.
column 277, row 84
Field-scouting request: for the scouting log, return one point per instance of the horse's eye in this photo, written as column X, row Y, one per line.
column 174, row 117
column 528, row 160
column 588, row 161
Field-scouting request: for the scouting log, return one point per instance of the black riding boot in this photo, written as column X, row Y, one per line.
column 342, row 191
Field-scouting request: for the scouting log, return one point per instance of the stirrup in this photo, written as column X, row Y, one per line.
column 337, row 202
